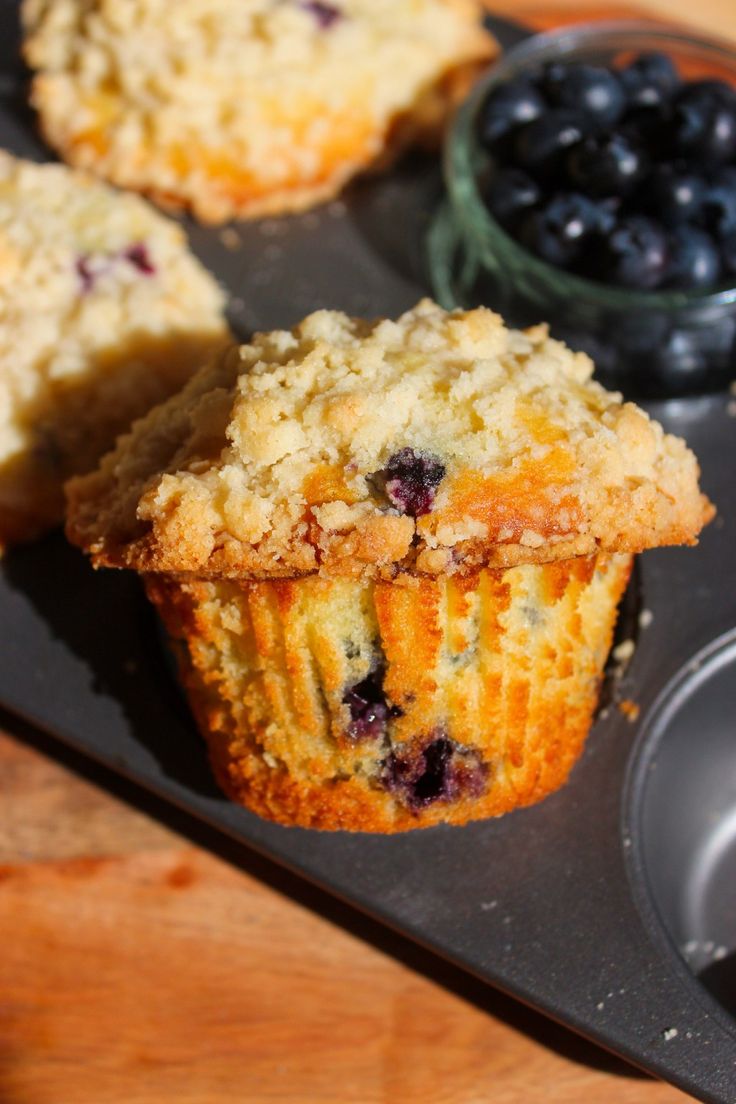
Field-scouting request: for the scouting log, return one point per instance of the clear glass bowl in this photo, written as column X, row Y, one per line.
column 645, row 343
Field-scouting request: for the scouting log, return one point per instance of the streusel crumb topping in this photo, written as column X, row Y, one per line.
column 437, row 443
column 237, row 108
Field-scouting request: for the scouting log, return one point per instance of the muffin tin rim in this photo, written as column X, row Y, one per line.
column 688, row 678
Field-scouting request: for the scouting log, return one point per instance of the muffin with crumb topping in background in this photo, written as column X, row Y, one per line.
column 241, row 108
column 103, row 312
column 391, row 555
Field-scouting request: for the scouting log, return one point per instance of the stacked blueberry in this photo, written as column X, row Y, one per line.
column 627, row 176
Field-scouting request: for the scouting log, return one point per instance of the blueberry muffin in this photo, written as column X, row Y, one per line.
column 238, row 108
column 385, row 706
column 390, row 555
column 103, row 312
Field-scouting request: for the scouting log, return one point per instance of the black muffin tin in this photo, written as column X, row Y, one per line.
column 611, row 906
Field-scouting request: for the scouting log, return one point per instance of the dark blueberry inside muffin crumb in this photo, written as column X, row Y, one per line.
column 89, row 266
column 410, row 480
column 369, row 707
column 441, row 770
column 325, row 14
column 85, row 272
column 140, row 258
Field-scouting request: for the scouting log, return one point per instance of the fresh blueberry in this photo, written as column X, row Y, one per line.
column 693, row 259
column 410, row 480
column 634, row 255
column 650, row 80
column 677, row 367
column 552, row 76
column 649, row 128
column 507, row 107
column 719, row 206
column 589, row 88
column 728, row 253
column 540, row 145
column 557, row 231
column 703, row 125
column 718, row 89
column 369, row 707
column 438, row 770
column 607, row 163
column 510, row 194
column 674, row 194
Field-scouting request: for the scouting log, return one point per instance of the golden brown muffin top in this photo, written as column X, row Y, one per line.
column 436, row 443
column 238, row 108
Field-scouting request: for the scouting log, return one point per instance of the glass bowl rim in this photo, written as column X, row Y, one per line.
column 461, row 142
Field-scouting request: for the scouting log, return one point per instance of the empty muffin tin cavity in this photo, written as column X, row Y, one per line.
column 682, row 818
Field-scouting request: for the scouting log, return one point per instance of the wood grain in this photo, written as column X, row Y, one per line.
column 138, row 968
column 716, row 17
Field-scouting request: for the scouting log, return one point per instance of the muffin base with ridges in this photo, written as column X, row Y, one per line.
column 485, row 688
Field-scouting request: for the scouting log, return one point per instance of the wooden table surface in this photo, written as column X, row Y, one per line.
column 144, row 961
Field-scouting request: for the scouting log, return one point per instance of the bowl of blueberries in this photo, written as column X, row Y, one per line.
column 591, row 180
